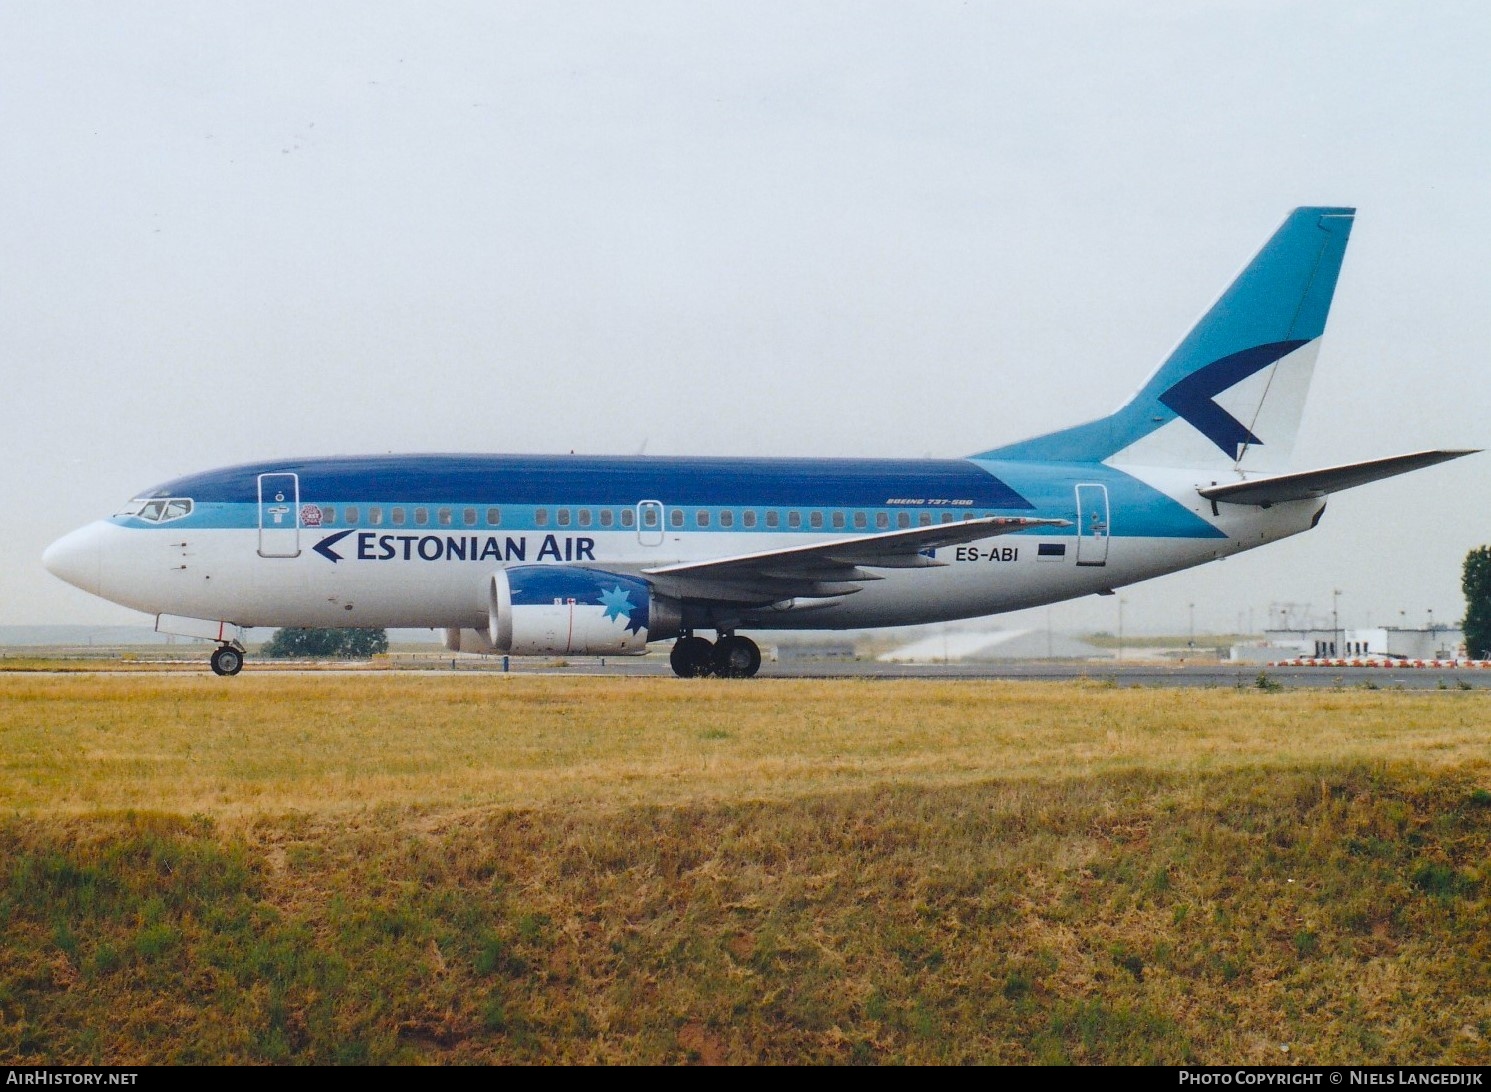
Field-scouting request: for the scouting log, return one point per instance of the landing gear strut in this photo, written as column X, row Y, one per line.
column 731, row 657
column 227, row 660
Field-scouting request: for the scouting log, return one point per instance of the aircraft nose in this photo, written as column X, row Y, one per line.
column 77, row 558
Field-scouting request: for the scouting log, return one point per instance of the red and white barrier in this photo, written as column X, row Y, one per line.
column 1443, row 665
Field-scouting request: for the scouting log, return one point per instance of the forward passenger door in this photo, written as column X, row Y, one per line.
column 279, row 515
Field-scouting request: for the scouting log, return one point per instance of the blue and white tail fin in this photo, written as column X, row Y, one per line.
column 1230, row 395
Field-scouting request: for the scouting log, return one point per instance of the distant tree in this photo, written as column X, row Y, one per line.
column 1476, row 584
column 325, row 644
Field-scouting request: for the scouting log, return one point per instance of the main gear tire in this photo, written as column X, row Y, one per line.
column 692, row 657
column 736, row 657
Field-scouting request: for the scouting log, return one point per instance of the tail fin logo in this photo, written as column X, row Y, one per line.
column 1194, row 397
column 1239, row 377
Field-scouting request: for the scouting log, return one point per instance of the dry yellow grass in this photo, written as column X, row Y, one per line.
column 391, row 868
column 263, row 744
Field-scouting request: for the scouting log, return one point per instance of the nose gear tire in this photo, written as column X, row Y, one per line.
column 227, row 661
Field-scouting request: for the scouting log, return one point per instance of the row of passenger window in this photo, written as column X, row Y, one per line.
column 352, row 515
column 839, row 521
column 377, row 516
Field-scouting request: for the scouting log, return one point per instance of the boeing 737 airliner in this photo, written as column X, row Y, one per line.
column 540, row 555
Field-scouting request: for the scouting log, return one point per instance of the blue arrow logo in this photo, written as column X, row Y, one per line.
column 1194, row 397
column 324, row 547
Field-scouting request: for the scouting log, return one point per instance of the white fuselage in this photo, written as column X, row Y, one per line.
column 407, row 577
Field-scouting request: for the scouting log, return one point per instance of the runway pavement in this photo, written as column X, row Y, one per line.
column 1129, row 673
column 1126, row 673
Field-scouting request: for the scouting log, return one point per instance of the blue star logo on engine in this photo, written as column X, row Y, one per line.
column 617, row 603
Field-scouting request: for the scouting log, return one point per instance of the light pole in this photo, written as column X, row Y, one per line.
column 1336, row 638
column 1120, row 629
column 1191, row 638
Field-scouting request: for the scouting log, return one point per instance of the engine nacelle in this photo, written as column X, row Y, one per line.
column 539, row 610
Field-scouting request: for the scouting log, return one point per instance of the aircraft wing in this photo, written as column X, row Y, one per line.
column 824, row 569
column 1317, row 483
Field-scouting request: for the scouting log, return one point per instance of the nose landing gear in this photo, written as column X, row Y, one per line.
column 731, row 657
column 228, row 659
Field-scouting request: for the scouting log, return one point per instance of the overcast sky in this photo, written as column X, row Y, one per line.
column 240, row 231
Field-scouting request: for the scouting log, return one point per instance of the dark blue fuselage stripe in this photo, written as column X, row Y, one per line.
column 597, row 481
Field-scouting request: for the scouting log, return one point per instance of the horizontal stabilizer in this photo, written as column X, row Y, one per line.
column 1332, row 479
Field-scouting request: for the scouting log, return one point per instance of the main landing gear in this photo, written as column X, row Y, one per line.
column 228, row 659
column 731, row 657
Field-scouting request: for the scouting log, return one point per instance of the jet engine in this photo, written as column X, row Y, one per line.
column 538, row 610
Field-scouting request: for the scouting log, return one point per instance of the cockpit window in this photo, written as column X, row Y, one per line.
column 157, row 509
